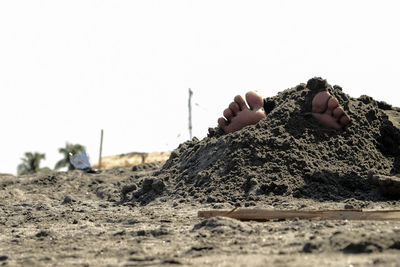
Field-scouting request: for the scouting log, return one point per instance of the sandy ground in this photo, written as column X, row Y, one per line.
column 77, row 219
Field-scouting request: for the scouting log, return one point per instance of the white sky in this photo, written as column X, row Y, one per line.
column 71, row 68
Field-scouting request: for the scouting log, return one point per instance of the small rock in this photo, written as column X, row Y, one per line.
column 67, row 200
column 42, row 234
column 158, row 185
column 158, row 232
column 119, row 233
column 135, row 168
column 362, row 247
column 147, row 184
column 221, row 225
column 388, row 185
column 141, row 233
column 128, row 188
column 3, row 258
column 309, row 247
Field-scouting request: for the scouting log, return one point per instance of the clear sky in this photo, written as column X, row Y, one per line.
column 71, row 68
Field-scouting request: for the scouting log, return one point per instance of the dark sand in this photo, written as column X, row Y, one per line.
column 148, row 215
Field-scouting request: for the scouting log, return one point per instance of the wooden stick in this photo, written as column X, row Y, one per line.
column 101, row 147
column 265, row 215
column 190, row 113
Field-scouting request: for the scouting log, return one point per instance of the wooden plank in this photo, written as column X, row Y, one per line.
column 265, row 215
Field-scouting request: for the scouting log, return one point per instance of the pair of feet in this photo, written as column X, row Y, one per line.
column 325, row 109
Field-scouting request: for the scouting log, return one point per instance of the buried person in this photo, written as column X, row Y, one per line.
column 324, row 107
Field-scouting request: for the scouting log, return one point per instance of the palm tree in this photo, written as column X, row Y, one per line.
column 69, row 148
column 31, row 163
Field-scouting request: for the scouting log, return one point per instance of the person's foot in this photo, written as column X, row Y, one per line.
column 326, row 109
column 238, row 115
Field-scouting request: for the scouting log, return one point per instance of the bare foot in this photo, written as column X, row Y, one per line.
column 327, row 111
column 238, row 115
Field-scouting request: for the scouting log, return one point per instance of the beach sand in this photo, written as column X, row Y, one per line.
column 147, row 215
column 74, row 218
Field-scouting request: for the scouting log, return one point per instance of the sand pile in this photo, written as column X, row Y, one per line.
column 288, row 154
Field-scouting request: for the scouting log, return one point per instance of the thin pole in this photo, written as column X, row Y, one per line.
column 101, row 148
column 190, row 113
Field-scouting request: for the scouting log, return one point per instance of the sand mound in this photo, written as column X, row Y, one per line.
column 290, row 154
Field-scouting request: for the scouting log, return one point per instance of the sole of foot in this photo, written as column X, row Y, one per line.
column 326, row 109
column 239, row 114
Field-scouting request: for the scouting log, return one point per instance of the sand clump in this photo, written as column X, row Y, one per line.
column 289, row 154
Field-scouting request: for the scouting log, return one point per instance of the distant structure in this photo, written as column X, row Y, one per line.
column 131, row 159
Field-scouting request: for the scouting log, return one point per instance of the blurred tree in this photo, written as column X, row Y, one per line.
column 31, row 163
column 69, row 148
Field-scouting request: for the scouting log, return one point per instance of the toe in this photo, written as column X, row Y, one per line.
column 337, row 113
column 254, row 100
column 320, row 102
column 240, row 101
column 234, row 107
column 344, row 120
column 327, row 120
column 228, row 114
column 222, row 123
column 333, row 104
